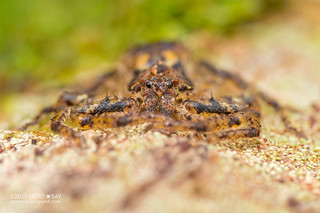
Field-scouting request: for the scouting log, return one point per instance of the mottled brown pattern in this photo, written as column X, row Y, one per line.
column 164, row 91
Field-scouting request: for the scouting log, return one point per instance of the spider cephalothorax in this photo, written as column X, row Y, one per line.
column 158, row 87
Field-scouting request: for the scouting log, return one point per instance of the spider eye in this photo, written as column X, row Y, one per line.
column 148, row 84
column 169, row 84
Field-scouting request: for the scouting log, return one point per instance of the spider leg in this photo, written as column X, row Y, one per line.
column 103, row 114
column 245, row 86
column 225, row 117
column 284, row 118
column 100, row 81
column 66, row 99
column 98, row 121
column 222, row 119
column 209, row 106
column 58, row 125
column 115, row 120
column 107, row 105
column 225, row 75
column 235, row 125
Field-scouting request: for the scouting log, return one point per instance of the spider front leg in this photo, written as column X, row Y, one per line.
column 104, row 114
column 235, row 125
column 248, row 126
column 58, row 125
column 225, row 75
column 238, row 81
column 67, row 99
column 206, row 107
column 101, row 114
column 226, row 119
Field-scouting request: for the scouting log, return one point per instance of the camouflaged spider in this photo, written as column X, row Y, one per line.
column 160, row 92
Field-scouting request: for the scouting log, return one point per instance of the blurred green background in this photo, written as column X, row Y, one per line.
column 46, row 40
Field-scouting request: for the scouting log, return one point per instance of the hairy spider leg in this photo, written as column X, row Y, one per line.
column 238, row 120
column 115, row 120
column 65, row 100
column 240, row 124
column 87, row 116
column 37, row 118
column 79, row 117
column 245, row 86
column 224, row 114
column 58, row 125
column 279, row 109
column 68, row 99
column 99, row 82
column 110, row 109
column 211, row 105
column 115, row 112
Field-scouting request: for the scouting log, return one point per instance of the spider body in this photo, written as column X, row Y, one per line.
column 160, row 92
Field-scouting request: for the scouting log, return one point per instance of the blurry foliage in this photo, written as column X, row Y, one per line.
column 45, row 39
